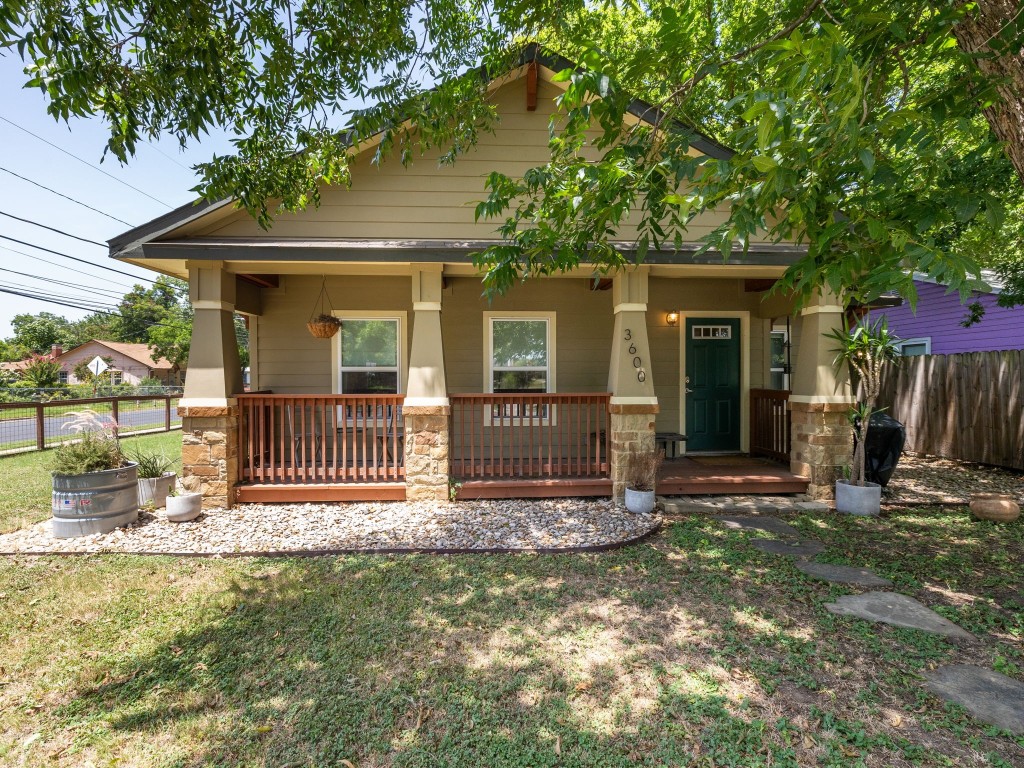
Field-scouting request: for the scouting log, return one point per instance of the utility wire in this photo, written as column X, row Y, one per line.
column 180, row 165
column 91, row 289
column 75, row 306
column 75, row 258
column 55, row 264
column 86, row 288
column 61, row 194
column 86, row 162
column 53, row 229
column 106, row 304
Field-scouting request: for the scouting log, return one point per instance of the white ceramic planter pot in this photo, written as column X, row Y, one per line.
column 858, row 499
column 639, row 502
column 187, row 506
column 155, row 489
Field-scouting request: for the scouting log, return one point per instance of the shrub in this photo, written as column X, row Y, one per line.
column 96, row 449
column 642, row 470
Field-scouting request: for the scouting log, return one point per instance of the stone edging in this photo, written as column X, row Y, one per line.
column 349, row 551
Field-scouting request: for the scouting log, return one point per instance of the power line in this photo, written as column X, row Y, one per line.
column 94, row 289
column 75, row 258
column 55, row 264
column 180, row 165
column 66, row 197
column 93, row 304
column 76, row 306
column 86, row 288
column 86, row 162
column 53, row 229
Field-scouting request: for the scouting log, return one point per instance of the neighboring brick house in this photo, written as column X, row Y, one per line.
column 129, row 363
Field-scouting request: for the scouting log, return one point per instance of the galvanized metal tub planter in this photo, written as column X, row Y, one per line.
column 95, row 502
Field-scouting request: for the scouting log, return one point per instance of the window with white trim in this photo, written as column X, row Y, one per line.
column 63, row 377
column 914, row 347
column 520, row 359
column 369, row 358
column 779, row 368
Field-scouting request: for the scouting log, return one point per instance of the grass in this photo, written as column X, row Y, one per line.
column 25, row 479
column 690, row 649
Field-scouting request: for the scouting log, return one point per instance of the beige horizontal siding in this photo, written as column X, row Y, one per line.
column 426, row 200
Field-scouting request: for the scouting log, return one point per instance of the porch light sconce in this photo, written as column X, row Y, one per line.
column 672, row 318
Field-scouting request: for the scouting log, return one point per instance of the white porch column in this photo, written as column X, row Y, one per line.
column 821, row 437
column 209, row 411
column 630, row 380
column 426, row 409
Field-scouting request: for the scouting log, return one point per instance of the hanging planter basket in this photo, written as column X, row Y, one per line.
column 325, row 324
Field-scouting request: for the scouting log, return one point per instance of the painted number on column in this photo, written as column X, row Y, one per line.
column 638, row 363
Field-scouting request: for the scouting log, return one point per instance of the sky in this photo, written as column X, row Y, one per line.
column 161, row 171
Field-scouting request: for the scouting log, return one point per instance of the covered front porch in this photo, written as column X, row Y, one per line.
column 352, row 448
column 582, row 375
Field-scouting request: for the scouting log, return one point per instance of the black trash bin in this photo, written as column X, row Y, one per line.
column 886, row 437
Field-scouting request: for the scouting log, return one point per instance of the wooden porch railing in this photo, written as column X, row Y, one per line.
column 770, row 423
column 320, row 438
column 534, row 435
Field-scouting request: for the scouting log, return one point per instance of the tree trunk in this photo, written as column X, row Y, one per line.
column 979, row 33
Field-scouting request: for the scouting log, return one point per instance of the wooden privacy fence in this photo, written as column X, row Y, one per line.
column 770, row 423
column 30, row 426
column 966, row 406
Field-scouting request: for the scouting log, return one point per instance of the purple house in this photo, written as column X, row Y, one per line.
column 936, row 329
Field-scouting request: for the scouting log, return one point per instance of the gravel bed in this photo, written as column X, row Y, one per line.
column 920, row 479
column 505, row 524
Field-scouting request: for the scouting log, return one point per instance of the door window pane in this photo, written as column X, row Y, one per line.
column 369, row 382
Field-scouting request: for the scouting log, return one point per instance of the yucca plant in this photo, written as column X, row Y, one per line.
column 864, row 350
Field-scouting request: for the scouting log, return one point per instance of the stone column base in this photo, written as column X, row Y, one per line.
column 822, row 445
column 632, row 432
column 426, row 452
column 209, row 453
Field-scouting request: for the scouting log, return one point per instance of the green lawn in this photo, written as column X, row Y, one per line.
column 689, row 649
column 25, row 479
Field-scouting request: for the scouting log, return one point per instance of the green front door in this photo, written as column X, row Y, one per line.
column 712, row 384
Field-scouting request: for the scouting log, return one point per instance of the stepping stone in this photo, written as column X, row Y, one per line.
column 898, row 610
column 989, row 696
column 812, row 506
column 749, row 523
column 806, row 548
column 844, row 574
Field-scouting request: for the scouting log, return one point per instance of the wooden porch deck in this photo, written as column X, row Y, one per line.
column 726, row 474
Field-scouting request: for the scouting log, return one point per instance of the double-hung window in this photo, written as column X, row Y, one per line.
column 369, row 360
column 519, row 352
column 370, row 356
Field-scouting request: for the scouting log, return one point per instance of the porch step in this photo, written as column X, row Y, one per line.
column 533, row 488
column 260, row 492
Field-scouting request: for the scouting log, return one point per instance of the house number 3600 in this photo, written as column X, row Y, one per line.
column 641, row 374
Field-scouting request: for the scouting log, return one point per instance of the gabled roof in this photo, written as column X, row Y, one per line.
column 532, row 52
column 140, row 353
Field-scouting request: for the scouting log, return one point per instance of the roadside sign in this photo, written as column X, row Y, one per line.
column 97, row 366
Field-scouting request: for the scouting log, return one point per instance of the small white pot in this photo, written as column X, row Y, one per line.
column 155, row 489
column 639, row 502
column 858, row 500
column 187, row 506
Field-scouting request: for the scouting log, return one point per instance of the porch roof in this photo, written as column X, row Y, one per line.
column 438, row 251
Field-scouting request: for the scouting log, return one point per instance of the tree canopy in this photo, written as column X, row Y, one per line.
column 858, row 126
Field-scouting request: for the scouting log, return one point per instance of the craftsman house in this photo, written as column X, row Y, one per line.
column 429, row 387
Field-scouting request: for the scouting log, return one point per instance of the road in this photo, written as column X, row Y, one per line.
column 15, row 432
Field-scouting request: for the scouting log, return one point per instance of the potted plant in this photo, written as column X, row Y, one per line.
column 95, row 486
column 183, row 505
column 641, row 477
column 864, row 350
column 155, row 481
